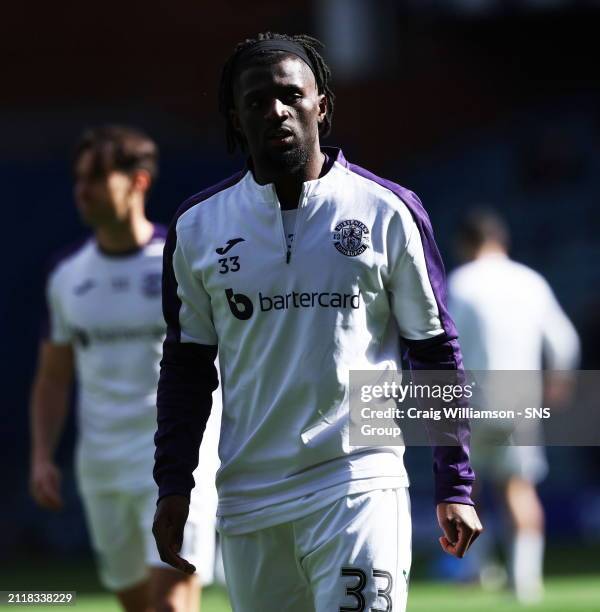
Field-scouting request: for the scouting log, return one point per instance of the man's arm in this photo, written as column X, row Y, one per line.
column 188, row 378
column 451, row 464
column 562, row 350
column 418, row 298
column 48, row 410
column 561, row 342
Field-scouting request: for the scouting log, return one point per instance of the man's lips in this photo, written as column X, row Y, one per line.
column 280, row 135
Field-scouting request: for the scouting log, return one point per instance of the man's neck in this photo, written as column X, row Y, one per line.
column 289, row 186
column 490, row 248
column 124, row 236
column 288, row 190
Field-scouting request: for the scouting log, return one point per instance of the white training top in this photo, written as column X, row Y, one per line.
column 507, row 315
column 289, row 326
column 109, row 308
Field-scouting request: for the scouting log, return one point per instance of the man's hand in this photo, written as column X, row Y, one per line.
column 45, row 485
column 559, row 388
column 461, row 527
column 169, row 522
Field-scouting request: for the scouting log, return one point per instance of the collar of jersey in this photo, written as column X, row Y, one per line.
column 320, row 186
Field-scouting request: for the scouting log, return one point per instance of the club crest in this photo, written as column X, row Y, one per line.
column 351, row 237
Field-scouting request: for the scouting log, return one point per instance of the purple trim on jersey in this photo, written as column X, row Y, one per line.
column 451, row 464
column 55, row 260
column 188, row 378
column 433, row 259
column 160, row 231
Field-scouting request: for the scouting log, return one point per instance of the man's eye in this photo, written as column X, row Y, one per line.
column 254, row 102
column 287, row 98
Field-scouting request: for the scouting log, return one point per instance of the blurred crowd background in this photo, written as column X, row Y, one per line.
column 466, row 102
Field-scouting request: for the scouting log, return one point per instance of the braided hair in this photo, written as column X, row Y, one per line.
column 321, row 71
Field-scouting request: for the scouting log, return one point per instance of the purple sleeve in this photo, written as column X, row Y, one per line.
column 451, row 464
column 188, row 378
column 453, row 474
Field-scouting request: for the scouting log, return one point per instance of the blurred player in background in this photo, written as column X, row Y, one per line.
column 509, row 319
column 308, row 521
column 105, row 325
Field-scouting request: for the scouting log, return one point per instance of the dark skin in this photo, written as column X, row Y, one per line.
column 169, row 524
column 278, row 110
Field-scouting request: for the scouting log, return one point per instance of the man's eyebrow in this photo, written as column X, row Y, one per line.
column 288, row 87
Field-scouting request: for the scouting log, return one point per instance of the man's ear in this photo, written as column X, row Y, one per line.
column 322, row 108
column 141, row 180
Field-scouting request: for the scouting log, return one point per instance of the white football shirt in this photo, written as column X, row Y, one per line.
column 507, row 316
column 108, row 307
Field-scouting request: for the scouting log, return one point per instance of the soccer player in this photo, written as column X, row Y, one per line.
column 308, row 522
column 507, row 317
column 105, row 325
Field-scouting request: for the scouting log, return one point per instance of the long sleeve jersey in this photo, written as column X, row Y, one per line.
column 362, row 277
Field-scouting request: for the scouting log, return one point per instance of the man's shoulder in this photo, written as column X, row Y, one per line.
column 459, row 279
column 61, row 261
column 191, row 204
column 474, row 275
column 529, row 278
column 153, row 249
column 388, row 191
column 515, row 270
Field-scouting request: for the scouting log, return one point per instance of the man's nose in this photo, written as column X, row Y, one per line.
column 276, row 110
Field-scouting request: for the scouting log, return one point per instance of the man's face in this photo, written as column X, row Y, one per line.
column 101, row 198
column 278, row 110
